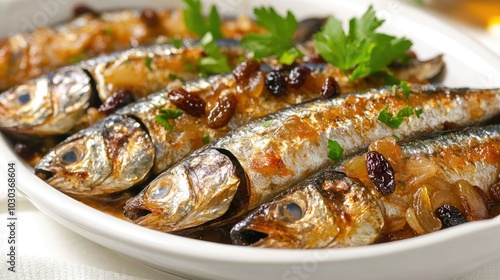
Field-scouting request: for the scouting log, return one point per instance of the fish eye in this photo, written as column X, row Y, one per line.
column 69, row 157
column 159, row 192
column 290, row 212
column 24, row 98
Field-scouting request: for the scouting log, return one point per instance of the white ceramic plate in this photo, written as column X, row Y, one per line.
column 434, row 256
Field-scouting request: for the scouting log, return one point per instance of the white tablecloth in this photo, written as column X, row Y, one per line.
column 47, row 250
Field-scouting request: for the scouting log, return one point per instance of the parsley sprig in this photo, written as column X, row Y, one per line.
column 215, row 62
column 164, row 117
column 279, row 40
column 395, row 121
column 198, row 24
column 362, row 51
column 335, row 151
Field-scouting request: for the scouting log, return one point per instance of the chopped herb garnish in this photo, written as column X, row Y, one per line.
column 177, row 43
column 198, row 24
column 206, row 138
column 126, row 62
column 147, row 62
column 396, row 137
column 406, row 90
column 335, row 150
column 174, row 77
column 279, row 40
column 267, row 123
column 166, row 115
column 289, row 56
column 395, row 121
column 188, row 65
column 362, row 51
column 419, row 112
column 77, row 58
column 108, row 31
column 215, row 62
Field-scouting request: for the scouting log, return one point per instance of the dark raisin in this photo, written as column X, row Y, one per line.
column 313, row 58
column 24, row 151
column 482, row 193
column 188, row 102
column 380, row 173
column 276, row 83
column 450, row 216
column 298, row 76
column 222, row 112
column 495, row 192
column 81, row 9
column 150, row 18
column 245, row 69
column 119, row 99
column 330, row 88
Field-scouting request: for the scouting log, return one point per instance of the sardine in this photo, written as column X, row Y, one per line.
column 233, row 103
column 257, row 161
column 332, row 209
column 31, row 54
column 52, row 104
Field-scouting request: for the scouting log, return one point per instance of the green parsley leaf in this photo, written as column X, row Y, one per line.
column 77, row 58
column 177, row 43
column 394, row 122
column 362, row 51
column 206, row 138
column 174, row 77
column 289, row 56
column 108, row 31
column 335, row 150
column 147, row 62
column 419, row 112
column 267, row 124
column 406, row 90
column 198, row 24
column 279, row 40
column 396, row 137
column 166, row 115
column 215, row 62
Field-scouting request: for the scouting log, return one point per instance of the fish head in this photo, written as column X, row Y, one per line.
column 111, row 156
column 314, row 214
column 195, row 191
column 48, row 105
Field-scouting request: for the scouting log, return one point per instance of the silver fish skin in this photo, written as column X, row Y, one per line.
column 284, row 148
column 53, row 103
column 171, row 146
column 331, row 210
column 116, row 151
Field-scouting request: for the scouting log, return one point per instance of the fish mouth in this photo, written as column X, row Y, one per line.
column 247, row 237
column 44, row 174
column 137, row 214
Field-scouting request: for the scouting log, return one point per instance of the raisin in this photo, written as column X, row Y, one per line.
column 24, row 151
column 450, row 216
column 495, row 192
column 380, row 173
column 313, row 58
column 298, row 76
column 119, row 99
column 330, row 88
column 81, row 9
column 276, row 83
column 222, row 112
column 150, row 18
column 188, row 102
column 245, row 69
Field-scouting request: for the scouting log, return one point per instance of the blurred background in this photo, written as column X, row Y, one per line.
column 478, row 17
